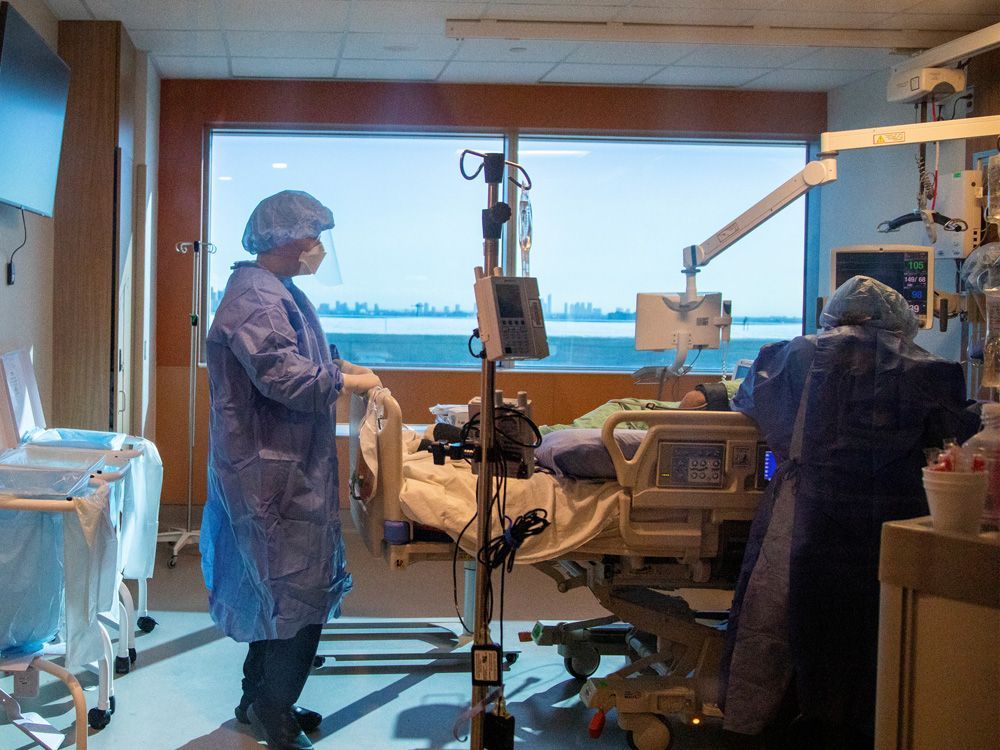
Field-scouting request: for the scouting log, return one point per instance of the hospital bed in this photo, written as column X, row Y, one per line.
column 672, row 513
column 59, row 562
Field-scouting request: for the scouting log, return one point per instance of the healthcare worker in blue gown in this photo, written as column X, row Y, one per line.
column 848, row 413
column 272, row 552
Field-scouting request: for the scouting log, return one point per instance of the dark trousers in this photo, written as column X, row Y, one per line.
column 275, row 671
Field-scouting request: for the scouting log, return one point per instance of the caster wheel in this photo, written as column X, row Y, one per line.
column 172, row 562
column 122, row 665
column 98, row 719
column 652, row 734
column 111, row 704
column 132, row 655
column 318, row 662
column 583, row 663
column 146, row 624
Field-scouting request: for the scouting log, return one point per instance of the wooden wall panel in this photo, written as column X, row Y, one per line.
column 189, row 108
column 84, row 229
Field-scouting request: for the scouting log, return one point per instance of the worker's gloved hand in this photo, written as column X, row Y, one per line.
column 361, row 383
column 349, row 368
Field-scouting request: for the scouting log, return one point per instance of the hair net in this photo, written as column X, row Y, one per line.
column 861, row 300
column 285, row 217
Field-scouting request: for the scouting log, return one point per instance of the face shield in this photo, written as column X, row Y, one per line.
column 319, row 286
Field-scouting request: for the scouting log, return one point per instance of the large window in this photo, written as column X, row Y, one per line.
column 610, row 220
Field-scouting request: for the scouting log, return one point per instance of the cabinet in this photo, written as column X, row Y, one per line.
column 92, row 305
column 938, row 650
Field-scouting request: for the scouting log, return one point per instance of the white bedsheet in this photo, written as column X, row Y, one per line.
column 445, row 497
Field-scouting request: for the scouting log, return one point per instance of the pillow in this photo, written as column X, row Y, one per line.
column 581, row 454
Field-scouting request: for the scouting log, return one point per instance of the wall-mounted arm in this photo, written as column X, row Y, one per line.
column 813, row 174
column 825, row 170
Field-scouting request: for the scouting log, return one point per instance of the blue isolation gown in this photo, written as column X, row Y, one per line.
column 271, row 545
column 848, row 413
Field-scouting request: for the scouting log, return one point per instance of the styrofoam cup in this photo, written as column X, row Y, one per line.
column 956, row 499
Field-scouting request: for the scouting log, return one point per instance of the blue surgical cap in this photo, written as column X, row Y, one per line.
column 863, row 301
column 285, row 217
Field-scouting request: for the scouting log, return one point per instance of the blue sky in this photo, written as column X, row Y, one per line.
column 610, row 217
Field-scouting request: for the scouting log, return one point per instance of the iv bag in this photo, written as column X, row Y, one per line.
column 524, row 231
column 993, row 190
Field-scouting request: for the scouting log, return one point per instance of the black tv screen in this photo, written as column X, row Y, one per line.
column 34, row 84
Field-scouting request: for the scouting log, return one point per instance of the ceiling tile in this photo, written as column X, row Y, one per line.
column 409, row 16
column 940, row 22
column 738, row 55
column 711, row 4
column 514, row 50
column 600, row 74
column 633, row 53
column 390, row 70
column 399, row 47
column 700, row 15
column 843, row 58
column 162, row 14
column 973, row 7
column 787, row 79
column 843, row 6
column 179, row 43
column 491, row 72
column 253, row 67
column 549, row 11
column 287, row 15
column 727, row 77
column 192, row 67
column 821, row 19
column 69, row 10
column 288, row 44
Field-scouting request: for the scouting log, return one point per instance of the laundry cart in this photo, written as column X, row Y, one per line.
column 58, row 562
column 112, row 468
column 22, row 424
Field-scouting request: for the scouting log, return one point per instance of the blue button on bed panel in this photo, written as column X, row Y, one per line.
column 396, row 532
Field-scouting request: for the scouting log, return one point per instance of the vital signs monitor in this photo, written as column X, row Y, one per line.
column 909, row 269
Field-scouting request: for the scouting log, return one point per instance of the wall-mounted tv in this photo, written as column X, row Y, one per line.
column 34, row 84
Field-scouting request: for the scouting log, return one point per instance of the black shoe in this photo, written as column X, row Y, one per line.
column 281, row 733
column 309, row 721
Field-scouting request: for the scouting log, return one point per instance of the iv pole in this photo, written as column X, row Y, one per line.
column 187, row 535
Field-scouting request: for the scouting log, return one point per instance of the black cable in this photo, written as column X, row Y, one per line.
column 482, row 352
column 10, row 263
column 501, row 551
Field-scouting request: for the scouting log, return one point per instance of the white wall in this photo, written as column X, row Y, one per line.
column 879, row 184
column 26, row 307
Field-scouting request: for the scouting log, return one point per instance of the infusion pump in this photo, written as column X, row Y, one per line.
column 511, row 325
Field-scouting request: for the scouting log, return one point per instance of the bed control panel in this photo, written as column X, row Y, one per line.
column 684, row 464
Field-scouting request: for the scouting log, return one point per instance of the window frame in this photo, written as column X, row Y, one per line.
column 511, row 138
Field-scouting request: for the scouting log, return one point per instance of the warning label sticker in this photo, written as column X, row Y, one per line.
column 898, row 136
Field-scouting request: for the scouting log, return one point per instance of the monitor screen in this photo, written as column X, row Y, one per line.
column 34, row 84
column 909, row 269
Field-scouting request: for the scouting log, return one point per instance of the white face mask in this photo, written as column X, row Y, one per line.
column 310, row 260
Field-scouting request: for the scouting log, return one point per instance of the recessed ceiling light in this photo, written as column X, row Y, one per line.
column 279, row 165
column 225, row 178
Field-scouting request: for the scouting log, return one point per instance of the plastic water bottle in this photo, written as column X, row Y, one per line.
column 988, row 441
column 993, row 189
